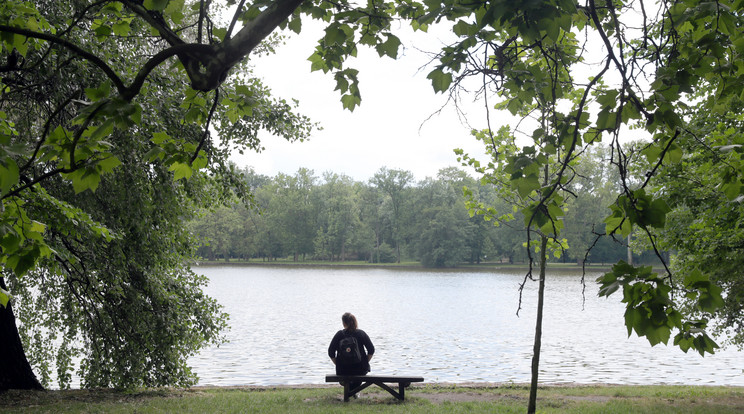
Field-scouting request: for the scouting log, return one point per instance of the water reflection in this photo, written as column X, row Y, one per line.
column 445, row 326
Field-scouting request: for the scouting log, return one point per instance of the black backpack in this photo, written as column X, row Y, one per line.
column 348, row 350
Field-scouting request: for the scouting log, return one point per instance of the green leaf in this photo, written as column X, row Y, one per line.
column 440, row 80
column 694, row 277
column 334, row 36
column 25, row 262
column 683, row 342
column 350, row 101
column 9, row 175
column 95, row 94
column 295, row 25
column 463, row 28
column 37, row 227
column 102, row 130
column 655, row 214
column 4, row 298
column 181, row 170
column 526, row 185
column 674, row 154
column 389, row 47
column 160, row 137
column 652, row 153
column 85, row 179
column 658, row 334
column 606, row 120
column 155, row 5
column 711, row 299
column 731, row 189
column 109, row 163
column 121, row 28
column 609, row 289
column 174, row 10
column 632, row 319
column 154, row 153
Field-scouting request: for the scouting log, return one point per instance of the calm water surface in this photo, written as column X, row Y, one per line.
column 454, row 326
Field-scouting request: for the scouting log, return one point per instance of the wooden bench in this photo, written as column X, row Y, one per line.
column 379, row 380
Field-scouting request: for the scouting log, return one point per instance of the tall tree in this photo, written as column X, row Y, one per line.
column 443, row 223
column 704, row 229
column 338, row 216
column 78, row 79
column 593, row 190
column 651, row 56
column 293, row 211
column 393, row 183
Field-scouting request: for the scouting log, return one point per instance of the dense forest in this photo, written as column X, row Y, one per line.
column 392, row 218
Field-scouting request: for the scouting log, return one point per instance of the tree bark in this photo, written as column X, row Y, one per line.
column 532, row 405
column 630, row 252
column 15, row 371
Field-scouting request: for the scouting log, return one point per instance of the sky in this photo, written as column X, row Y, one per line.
column 395, row 126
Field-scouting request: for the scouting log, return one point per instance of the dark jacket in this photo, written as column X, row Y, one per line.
column 365, row 348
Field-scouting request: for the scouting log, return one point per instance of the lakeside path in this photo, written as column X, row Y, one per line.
column 426, row 398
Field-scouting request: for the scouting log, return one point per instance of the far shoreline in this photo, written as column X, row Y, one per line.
column 483, row 267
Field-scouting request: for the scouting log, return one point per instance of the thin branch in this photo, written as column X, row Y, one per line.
column 235, row 18
column 72, row 47
column 205, row 135
column 47, row 126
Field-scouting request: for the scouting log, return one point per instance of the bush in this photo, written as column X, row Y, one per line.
column 385, row 253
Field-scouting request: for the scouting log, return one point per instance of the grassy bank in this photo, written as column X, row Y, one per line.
column 429, row 399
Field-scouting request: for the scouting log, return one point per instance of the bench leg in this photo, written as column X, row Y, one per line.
column 348, row 392
column 399, row 395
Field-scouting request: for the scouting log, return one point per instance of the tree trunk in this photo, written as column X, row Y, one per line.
column 532, row 406
column 377, row 243
column 15, row 371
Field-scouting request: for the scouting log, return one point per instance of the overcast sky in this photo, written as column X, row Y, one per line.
column 389, row 129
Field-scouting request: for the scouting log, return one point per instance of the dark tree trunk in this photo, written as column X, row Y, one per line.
column 15, row 371
column 532, row 405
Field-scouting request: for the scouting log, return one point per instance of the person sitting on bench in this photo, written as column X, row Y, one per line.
column 351, row 349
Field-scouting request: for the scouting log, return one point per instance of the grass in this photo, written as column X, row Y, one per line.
column 428, row 399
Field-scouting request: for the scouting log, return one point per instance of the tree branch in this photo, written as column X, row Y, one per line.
column 72, row 47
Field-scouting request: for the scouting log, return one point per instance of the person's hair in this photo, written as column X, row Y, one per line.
column 349, row 321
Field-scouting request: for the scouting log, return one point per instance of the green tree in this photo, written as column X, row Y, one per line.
column 77, row 78
column 593, row 189
column 704, row 227
column 442, row 222
column 393, row 183
column 371, row 214
column 338, row 217
column 532, row 55
column 294, row 209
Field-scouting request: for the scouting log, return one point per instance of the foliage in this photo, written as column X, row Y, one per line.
column 334, row 218
column 704, row 226
column 106, row 153
column 530, row 55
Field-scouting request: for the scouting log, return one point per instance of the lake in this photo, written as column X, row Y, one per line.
column 447, row 326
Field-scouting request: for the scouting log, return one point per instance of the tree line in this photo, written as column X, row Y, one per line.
column 392, row 218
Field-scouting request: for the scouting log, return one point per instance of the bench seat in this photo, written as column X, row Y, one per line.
column 379, row 380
